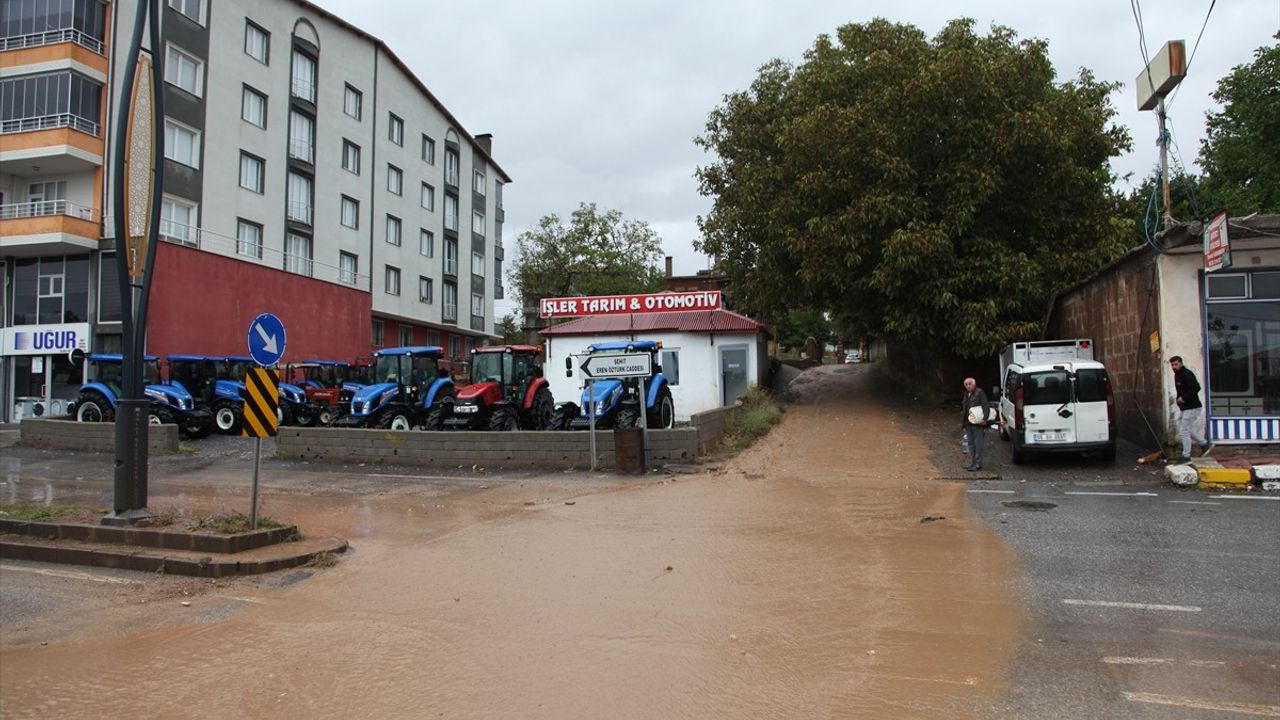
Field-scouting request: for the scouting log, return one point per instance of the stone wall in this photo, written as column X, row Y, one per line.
column 712, row 425
column 98, row 437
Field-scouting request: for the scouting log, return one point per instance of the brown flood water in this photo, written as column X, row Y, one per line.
column 798, row 582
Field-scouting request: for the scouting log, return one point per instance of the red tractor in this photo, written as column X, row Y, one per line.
column 507, row 391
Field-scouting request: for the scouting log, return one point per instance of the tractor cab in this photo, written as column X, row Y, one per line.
column 206, row 379
column 617, row 401
column 168, row 403
column 293, row 406
column 507, row 391
column 409, row 388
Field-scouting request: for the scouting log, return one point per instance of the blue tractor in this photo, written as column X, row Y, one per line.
column 293, row 408
column 409, row 389
column 169, row 403
column 617, row 401
column 207, row 380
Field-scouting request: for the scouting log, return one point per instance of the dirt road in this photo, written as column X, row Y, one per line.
column 801, row 581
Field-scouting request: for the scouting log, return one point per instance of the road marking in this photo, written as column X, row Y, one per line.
column 255, row 601
column 1244, row 497
column 70, row 575
column 1000, row 492
column 1191, row 502
column 1162, row 661
column 414, row 477
column 1197, row 704
column 1118, row 493
column 1131, row 605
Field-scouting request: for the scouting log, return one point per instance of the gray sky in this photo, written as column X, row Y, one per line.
column 599, row 101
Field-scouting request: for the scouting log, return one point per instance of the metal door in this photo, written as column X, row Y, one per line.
column 733, row 373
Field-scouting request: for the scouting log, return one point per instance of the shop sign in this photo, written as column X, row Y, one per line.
column 1217, row 244
column 44, row 339
column 626, row 304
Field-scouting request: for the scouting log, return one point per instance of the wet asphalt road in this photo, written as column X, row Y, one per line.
column 1147, row 602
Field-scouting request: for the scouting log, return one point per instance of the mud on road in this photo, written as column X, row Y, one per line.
column 824, row 572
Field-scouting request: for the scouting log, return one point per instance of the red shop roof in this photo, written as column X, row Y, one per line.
column 693, row 321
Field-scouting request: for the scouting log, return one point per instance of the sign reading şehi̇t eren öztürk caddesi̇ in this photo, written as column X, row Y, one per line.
column 626, row 304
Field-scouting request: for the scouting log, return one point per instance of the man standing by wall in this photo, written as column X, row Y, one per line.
column 1187, row 398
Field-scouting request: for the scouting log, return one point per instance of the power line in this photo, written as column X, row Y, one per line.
column 1136, row 8
column 1194, row 48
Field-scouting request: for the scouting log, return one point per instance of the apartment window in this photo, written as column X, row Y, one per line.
column 497, row 194
column 253, row 107
column 477, row 222
column 248, row 239
column 424, row 289
column 395, row 180
column 297, row 254
column 450, row 302
column 257, row 42
column 477, row 305
column 298, row 200
column 451, row 167
column 428, row 199
column 302, row 137
column 353, row 102
column 392, row 281
column 671, row 366
column 252, row 170
column 183, row 70
column 350, row 213
column 378, row 336
column 426, row 242
column 303, row 77
column 395, row 129
column 406, row 335
column 58, row 99
column 190, row 8
column 428, row 150
column 477, row 264
column 478, row 182
column 178, row 221
column 350, row 157
column 348, row 265
column 181, row 144
column 393, row 230
column 450, row 257
column 450, row 212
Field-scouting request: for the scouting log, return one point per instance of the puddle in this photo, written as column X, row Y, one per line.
column 1033, row 505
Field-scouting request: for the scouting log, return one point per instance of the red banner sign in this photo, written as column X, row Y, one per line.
column 624, row 304
column 1217, row 244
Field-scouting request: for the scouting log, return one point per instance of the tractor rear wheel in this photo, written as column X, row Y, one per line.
column 541, row 415
column 663, row 414
column 226, row 418
column 93, row 407
column 504, row 419
column 306, row 416
column 440, row 411
column 284, row 414
column 562, row 417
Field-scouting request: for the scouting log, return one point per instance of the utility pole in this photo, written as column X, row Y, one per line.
column 1164, row 163
column 1161, row 75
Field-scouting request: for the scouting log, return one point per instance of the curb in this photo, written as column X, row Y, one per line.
column 141, row 560
column 1208, row 474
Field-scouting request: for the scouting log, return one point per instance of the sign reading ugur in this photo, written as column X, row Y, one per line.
column 625, row 304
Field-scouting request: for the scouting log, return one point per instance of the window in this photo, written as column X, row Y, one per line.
column 297, row 254
column 56, row 99
column 253, row 107
column 426, row 242
column 190, row 8
column 477, row 264
column 671, row 366
column 406, row 335
column 252, row 169
column 302, row 137
column 248, row 239
column 303, row 77
column 477, row 305
column 393, row 230
column 392, row 281
column 428, row 150
column 455, row 347
column 395, row 129
column 378, row 336
column 497, row 194
column 1266, row 286
column 298, row 200
column 347, row 268
column 1228, row 286
column 257, row 42
column 478, row 182
column 477, row 222
column 183, row 70
column 181, row 144
column 428, row 199
column 433, row 338
column 353, row 102
column 450, row 212
column 1243, row 343
column 350, row 212
column 450, row 167
column 350, row 157
column 424, row 289
column 178, row 221
column 450, row 257
column 1046, row 388
column 450, row 302
column 395, row 180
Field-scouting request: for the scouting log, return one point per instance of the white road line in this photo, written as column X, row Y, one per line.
column 1191, row 502
column 1197, row 704
column 1162, row 661
column 70, row 575
column 994, row 492
column 1118, row 493
column 1131, row 605
column 414, row 477
column 1245, row 497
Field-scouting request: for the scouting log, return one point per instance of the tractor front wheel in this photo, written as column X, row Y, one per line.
column 663, row 414
column 93, row 407
column 562, row 417
column 325, row 417
column 159, row 416
column 504, row 419
column 439, row 411
column 396, row 419
column 226, row 418
column 284, row 414
column 628, row 417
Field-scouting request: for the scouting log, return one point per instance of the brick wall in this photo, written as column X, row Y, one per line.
column 98, row 437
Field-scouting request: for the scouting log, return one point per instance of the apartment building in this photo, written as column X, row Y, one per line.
column 308, row 172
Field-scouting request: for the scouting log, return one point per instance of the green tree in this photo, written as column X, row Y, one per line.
column 596, row 253
column 510, row 329
column 1240, row 154
column 799, row 325
column 934, row 191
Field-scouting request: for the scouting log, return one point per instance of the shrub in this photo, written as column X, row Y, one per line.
column 760, row 412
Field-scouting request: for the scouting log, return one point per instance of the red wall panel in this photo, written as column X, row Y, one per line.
column 202, row 303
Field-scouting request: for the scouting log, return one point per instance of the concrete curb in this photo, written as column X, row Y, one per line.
column 150, row 537
column 145, row 561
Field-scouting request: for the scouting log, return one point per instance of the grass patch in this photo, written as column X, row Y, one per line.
column 230, row 523
column 33, row 512
column 760, row 412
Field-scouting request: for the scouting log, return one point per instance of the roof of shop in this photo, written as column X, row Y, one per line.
column 692, row 321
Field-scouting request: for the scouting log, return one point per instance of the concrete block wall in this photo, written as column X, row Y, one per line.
column 712, row 425
column 525, row 449
column 97, row 437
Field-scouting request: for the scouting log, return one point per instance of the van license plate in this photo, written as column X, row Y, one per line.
column 1048, row 436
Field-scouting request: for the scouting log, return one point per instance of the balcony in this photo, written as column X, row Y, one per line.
column 48, row 227
column 55, row 144
column 53, row 37
column 449, row 313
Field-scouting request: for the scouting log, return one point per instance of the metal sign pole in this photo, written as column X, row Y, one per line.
column 253, row 502
column 644, row 423
column 591, row 400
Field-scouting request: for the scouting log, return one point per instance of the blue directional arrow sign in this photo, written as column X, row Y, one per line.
column 266, row 339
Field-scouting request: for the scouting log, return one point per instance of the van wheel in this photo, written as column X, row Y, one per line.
column 1019, row 455
column 1109, row 453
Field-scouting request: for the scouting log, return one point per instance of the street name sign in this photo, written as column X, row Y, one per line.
column 262, row 397
column 266, row 339
column 600, row 367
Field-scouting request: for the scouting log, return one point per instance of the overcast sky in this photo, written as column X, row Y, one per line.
column 599, row 101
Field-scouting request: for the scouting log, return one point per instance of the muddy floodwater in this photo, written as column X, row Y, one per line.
column 798, row 581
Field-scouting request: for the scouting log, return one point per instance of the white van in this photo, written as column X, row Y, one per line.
column 1056, row 398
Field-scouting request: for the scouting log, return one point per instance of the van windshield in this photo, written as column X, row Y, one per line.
column 1046, row 388
column 1091, row 385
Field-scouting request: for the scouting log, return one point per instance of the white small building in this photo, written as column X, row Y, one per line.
column 710, row 357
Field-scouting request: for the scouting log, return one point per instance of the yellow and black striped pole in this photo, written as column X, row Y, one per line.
column 261, row 403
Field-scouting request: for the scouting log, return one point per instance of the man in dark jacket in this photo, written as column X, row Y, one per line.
column 975, row 422
column 1188, row 399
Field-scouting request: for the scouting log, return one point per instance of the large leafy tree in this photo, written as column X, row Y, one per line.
column 933, row 191
column 596, row 253
column 1240, row 154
